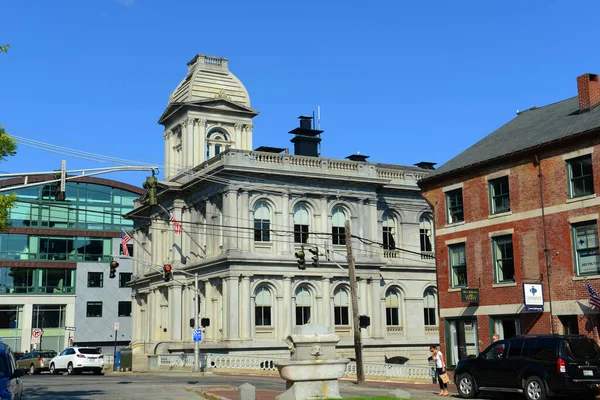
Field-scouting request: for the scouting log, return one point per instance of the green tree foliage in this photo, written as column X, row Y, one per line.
column 8, row 147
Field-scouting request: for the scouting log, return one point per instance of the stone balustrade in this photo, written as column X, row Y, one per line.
column 239, row 363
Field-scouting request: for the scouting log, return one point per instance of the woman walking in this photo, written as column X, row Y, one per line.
column 440, row 368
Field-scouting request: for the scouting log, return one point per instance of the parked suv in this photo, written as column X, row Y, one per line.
column 536, row 365
column 75, row 360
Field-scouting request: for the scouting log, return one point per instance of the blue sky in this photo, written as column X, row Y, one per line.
column 399, row 81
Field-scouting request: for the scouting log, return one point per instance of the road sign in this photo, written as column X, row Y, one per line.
column 70, row 328
column 116, row 326
column 197, row 335
column 35, row 340
column 36, row 333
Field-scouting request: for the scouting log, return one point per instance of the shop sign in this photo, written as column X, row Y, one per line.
column 470, row 295
column 534, row 297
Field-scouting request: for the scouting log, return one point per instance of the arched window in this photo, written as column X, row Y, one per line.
column 392, row 308
column 262, row 309
column 426, row 233
column 430, row 307
column 389, row 232
column 338, row 226
column 301, row 224
column 303, row 306
column 341, row 306
column 262, row 222
column 216, row 143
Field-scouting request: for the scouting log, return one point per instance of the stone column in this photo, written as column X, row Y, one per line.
column 376, row 320
column 238, row 136
column 224, row 311
column 215, row 313
column 246, row 310
column 287, row 307
column 363, row 303
column 168, row 156
column 233, row 311
column 279, row 301
column 375, row 231
column 230, row 220
column 285, row 223
column 207, row 310
column 244, row 219
column 247, row 141
column 200, row 147
column 326, row 306
column 189, row 143
column 324, row 220
column 175, row 315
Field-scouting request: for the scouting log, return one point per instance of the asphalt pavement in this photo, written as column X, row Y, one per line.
column 167, row 385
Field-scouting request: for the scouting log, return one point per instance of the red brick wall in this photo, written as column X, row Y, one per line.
column 528, row 238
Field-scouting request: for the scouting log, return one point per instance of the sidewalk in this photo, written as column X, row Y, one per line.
column 348, row 389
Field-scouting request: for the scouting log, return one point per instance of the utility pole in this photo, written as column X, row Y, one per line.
column 196, row 326
column 360, row 373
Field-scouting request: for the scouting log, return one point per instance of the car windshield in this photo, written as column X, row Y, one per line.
column 89, row 351
column 582, row 348
column 48, row 354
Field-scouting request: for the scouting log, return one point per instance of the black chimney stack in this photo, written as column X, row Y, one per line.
column 357, row 157
column 425, row 165
column 307, row 140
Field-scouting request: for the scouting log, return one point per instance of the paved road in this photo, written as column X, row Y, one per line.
column 176, row 386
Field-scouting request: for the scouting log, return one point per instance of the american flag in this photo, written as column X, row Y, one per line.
column 176, row 225
column 594, row 298
column 125, row 238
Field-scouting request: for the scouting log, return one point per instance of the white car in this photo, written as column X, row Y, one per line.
column 75, row 360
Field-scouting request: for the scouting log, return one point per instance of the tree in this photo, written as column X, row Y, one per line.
column 8, row 147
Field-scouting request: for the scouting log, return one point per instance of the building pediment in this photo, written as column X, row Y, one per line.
column 219, row 105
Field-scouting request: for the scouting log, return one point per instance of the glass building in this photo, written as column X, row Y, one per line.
column 41, row 251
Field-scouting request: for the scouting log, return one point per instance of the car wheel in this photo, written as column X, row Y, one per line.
column 534, row 389
column 70, row 369
column 465, row 384
column 31, row 369
column 52, row 369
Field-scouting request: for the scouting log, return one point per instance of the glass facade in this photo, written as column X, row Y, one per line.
column 37, row 280
column 54, row 248
column 87, row 206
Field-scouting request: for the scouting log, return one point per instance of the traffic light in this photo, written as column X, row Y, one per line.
column 315, row 257
column 205, row 322
column 192, row 323
column 364, row 321
column 167, row 272
column 113, row 269
column 301, row 258
column 150, row 185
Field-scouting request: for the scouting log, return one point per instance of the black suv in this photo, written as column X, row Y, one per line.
column 537, row 366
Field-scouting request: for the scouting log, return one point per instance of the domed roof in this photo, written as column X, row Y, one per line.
column 209, row 78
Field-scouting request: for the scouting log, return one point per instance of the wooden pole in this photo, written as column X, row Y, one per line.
column 360, row 373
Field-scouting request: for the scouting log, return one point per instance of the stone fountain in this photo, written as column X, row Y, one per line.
column 314, row 368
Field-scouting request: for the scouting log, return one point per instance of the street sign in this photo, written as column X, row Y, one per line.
column 197, row 335
column 70, row 328
column 36, row 333
column 116, row 326
column 35, row 340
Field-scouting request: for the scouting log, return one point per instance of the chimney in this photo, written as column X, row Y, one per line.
column 357, row 157
column 425, row 165
column 588, row 91
column 306, row 140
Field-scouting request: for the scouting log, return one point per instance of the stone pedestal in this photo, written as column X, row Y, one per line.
column 313, row 369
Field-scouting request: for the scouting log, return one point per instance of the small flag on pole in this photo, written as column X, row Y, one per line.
column 176, row 225
column 125, row 238
column 594, row 298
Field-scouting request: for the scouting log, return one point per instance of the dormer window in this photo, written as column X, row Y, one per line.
column 217, row 142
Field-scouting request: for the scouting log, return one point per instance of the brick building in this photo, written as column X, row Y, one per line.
column 516, row 215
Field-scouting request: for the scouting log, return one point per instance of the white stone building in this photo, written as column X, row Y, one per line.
column 244, row 213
